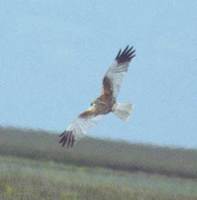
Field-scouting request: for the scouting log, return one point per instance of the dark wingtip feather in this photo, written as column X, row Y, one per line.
column 118, row 53
column 126, row 55
column 67, row 139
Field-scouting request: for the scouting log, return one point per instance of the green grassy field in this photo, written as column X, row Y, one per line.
column 34, row 166
column 29, row 179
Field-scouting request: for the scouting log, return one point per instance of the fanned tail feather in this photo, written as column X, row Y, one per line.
column 122, row 110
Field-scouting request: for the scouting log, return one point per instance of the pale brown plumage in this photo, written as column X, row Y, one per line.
column 104, row 103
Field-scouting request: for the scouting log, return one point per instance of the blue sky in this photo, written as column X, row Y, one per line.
column 53, row 55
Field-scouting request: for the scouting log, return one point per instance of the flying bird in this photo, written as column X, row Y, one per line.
column 105, row 103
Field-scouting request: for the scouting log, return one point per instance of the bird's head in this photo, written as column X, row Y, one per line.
column 92, row 103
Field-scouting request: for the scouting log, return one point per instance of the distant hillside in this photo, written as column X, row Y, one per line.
column 41, row 145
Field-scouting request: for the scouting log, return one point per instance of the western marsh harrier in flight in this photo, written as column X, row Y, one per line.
column 105, row 103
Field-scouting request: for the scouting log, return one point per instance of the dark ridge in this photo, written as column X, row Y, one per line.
column 40, row 145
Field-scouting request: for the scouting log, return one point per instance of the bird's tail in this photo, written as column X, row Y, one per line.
column 122, row 110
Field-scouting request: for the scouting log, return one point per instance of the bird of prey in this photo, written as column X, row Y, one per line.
column 105, row 103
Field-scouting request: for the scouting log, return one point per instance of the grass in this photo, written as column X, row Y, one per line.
column 32, row 179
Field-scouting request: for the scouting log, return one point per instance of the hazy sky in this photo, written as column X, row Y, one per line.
column 53, row 55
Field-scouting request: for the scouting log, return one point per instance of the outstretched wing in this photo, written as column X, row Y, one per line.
column 113, row 78
column 78, row 128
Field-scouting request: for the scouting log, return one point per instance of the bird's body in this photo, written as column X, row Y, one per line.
column 105, row 103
